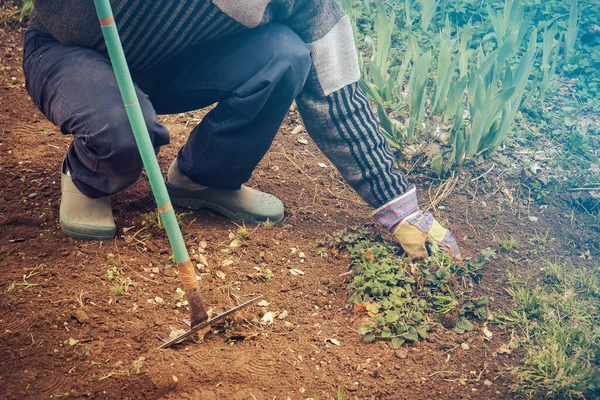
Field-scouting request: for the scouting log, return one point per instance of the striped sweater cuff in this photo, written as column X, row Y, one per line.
column 392, row 213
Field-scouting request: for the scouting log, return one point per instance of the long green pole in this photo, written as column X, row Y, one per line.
column 187, row 273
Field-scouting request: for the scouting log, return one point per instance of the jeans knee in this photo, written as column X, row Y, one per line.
column 289, row 49
column 112, row 148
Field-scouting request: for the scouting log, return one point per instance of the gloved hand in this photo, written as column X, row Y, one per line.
column 413, row 228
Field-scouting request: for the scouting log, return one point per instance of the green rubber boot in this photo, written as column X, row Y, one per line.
column 246, row 204
column 82, row 217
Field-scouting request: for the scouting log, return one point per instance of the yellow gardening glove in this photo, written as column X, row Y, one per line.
column 420, row 229
column 413, row 229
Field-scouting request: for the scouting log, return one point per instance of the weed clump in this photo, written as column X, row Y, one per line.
column 558, row 326
column 403, row 300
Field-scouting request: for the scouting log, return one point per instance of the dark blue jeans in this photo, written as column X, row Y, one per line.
column 254, row 78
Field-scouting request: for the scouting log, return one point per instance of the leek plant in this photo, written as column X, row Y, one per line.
column 475, row 84
column 572, row 30
column 550, row 52
column 428, row 8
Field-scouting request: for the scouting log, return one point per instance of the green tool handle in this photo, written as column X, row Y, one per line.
column 187, row 273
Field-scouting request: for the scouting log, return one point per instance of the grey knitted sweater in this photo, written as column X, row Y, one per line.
column 334, row 110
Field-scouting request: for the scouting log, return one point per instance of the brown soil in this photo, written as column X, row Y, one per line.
column 70, row 297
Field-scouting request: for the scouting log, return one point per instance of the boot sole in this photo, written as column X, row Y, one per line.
column 79, row 235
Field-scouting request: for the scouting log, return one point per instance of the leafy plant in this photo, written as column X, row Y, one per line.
column 403, row 300
column 120, row 284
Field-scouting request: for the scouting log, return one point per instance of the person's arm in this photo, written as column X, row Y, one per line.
column 339, row 118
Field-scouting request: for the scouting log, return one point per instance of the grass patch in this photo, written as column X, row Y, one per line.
column 26, row 276
column 557, row 324
column 119, row 284
column 402, row 300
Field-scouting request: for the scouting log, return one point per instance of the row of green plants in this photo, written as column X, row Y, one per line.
column 433, row 73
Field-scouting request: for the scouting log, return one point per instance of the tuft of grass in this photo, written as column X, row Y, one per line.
column 26, row 276
column 137, row 365
column 558, row 326
column 120, row 284
column 508, row 244
column 242, row 233
column 269, row 224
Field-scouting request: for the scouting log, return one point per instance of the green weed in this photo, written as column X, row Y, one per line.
column 26, row 276
column 558, row 327
column 120, row 284
column 404, row 300
column 508, row 244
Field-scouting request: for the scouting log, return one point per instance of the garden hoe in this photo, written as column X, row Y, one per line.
column 187, row 273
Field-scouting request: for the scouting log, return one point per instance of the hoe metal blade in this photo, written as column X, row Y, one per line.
column 204, row 324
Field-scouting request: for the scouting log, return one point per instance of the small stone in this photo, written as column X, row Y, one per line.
column 283, row 314
column 158, row 300
column 401, row 353
column 464, row 346
column 81, row 317
column 487, row 382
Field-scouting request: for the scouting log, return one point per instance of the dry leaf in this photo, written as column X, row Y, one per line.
column 487, row 333
column 296, row 272
column 503, row 350
column 235, row 243
column 176, row 332
column 263, row 303
column 508, row 194
column 370, row 256
column 203, row 260
column 220, row 274
column 227, row 263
